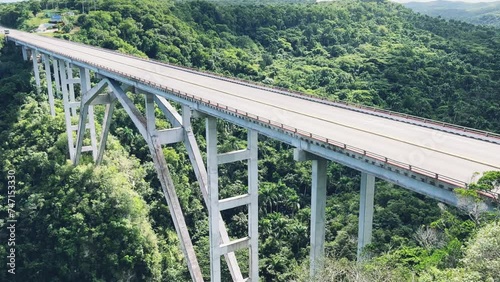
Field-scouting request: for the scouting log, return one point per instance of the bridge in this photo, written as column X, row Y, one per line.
column 425, row 156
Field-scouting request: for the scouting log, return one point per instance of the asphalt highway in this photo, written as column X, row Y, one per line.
column 447, row 154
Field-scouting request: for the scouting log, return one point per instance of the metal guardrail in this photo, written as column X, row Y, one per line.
column 280, row 126
column 289, row 129
column 336, row 103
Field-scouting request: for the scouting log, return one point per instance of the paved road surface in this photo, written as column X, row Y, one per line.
column 447, row 154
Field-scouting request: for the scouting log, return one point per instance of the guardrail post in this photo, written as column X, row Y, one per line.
column 365, row 212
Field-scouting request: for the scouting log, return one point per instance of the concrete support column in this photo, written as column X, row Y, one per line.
column 50, row 90
column 318, row 206
column 200, row 171
column 36, row 71
column 85, row 86
column 213, row 199
column 67, row 111
column 25, row 52
column 150, row 114
column 108, row 115
column 71, row 86
column 365, row 212
column 57, row 76
column 253, row 207
column 219, row 241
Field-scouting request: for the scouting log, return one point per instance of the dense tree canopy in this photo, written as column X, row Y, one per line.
column 112, row 222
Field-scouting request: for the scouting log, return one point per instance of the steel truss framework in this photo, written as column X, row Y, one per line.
column 111, row 90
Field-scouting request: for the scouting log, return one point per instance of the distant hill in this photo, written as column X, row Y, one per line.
column 253, row 2
column 475, row 13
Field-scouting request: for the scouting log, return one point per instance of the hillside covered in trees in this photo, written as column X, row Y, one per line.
column 481, row 13
column 111, row 223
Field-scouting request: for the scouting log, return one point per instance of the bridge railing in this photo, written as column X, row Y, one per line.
column 306, row 135
column 454, row 183
column 332, row 102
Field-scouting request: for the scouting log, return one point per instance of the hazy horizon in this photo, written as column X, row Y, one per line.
column 468, row 1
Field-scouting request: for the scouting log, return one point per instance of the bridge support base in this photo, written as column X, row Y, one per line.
column 365, row 212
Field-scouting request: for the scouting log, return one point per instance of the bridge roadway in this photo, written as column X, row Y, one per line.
column 444, row 153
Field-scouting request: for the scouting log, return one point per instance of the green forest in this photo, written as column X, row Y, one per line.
column 112, row 223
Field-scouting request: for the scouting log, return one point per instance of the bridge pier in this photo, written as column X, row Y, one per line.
column 217, row 246
column 57, row 77
column 318, row 208
column 86, row 115
column 200, row 170
column 68, row 115
column 36, row 70
column 88, row 99
column 365, row 212
column 86, row 118
column 70, row 82
column 108, row 115
column 25, row 52
column 50, row 89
